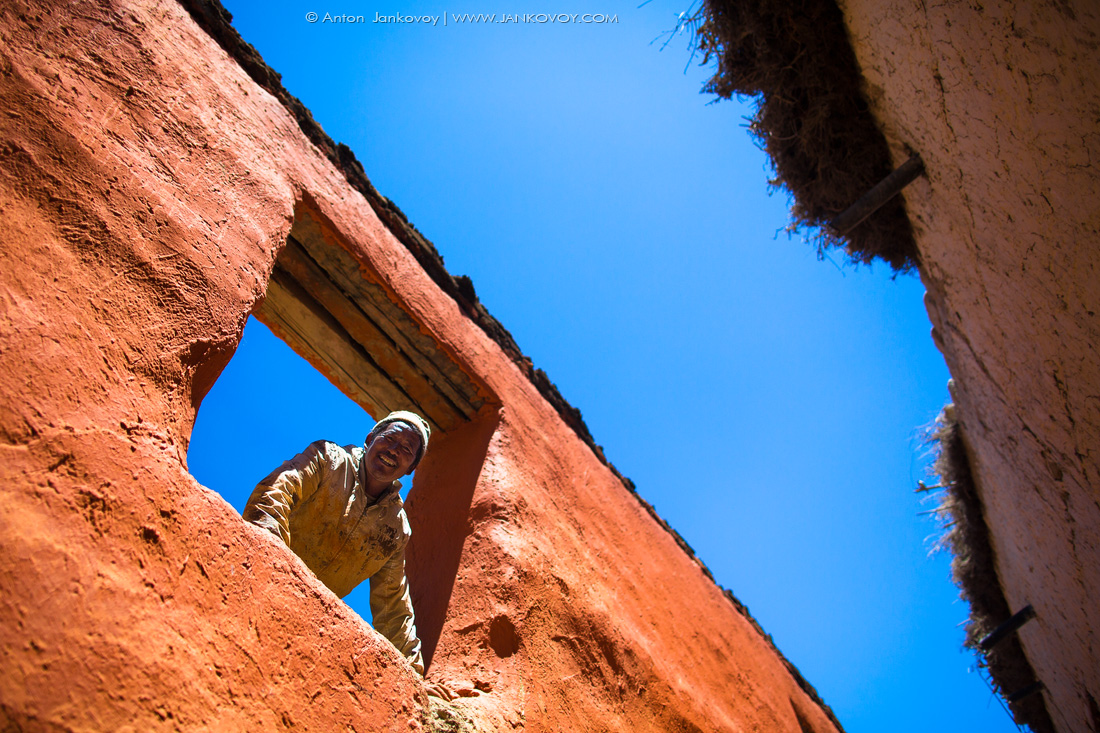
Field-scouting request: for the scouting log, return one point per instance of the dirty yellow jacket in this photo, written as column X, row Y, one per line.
column 316, row 504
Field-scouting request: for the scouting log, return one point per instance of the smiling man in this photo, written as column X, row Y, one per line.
column 339, row 510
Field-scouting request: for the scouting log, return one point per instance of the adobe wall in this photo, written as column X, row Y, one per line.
column 146, row 185
column 1002, row 101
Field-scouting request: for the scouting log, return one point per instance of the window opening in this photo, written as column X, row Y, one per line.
column 266, row 407
column 326, row 351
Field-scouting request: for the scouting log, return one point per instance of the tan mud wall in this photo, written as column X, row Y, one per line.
column 1002, row 101
column 146, row 186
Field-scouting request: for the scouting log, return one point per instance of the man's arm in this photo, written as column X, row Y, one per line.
column 392, row 610
column 274, row 498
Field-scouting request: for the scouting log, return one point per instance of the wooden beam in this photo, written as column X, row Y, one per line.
column 385, row 354
column 882, row 192
column 313, row 333
column 371, row 297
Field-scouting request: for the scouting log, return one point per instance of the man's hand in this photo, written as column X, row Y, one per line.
column 438, row 689
column 461, row 688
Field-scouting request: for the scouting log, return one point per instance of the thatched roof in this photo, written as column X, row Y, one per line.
column 812, row 120
column 974, row 569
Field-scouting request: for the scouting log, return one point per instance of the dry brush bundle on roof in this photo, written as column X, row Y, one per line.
column 812, row 120
column 974, row 570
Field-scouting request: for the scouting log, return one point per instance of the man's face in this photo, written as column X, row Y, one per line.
column 392, row 452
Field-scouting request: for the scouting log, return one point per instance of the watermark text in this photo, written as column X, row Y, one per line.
column 463, row 18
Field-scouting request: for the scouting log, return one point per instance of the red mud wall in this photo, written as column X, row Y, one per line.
column 1002, row 101
column 146, row 186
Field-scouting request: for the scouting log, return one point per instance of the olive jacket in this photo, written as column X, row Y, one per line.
column 316, row 504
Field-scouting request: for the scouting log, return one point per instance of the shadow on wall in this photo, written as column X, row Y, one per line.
column 439, row 512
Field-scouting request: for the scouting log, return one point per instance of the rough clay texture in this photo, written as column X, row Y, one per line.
column 146, row 186
column 1002, row 101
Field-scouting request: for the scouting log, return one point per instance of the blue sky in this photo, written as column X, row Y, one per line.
column 619, row 225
